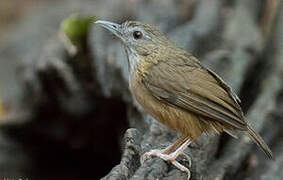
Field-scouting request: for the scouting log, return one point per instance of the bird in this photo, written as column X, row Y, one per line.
column 173, row 87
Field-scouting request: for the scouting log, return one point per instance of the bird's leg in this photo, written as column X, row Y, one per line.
column 175, row 145
column 167, row 150
column 173, row 155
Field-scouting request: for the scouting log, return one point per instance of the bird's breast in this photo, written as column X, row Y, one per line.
column 174, row 118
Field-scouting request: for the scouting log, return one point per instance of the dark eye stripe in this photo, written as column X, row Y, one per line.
column 137, row 34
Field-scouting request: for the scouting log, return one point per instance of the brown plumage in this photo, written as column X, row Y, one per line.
column 173, row 87
column 189, row 98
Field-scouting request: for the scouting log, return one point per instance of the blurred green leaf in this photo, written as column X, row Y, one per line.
column 76, row 27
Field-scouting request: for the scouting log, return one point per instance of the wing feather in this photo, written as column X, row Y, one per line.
column 195, row 89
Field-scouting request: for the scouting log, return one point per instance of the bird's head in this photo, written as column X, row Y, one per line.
column 139, row 39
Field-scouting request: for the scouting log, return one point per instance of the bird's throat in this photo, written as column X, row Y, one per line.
column 133, row 59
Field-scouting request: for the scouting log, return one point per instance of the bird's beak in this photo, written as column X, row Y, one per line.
column 116, row 29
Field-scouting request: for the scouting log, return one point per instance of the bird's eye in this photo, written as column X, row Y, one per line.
column 137, row 34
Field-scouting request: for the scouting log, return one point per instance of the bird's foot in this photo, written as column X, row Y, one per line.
column 187, row 158
column 182, row 168
column 169, row 157
column 153, row 152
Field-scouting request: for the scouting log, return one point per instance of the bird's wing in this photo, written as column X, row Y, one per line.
column 196, row 89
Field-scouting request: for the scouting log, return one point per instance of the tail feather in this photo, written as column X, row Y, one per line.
column 260, row 142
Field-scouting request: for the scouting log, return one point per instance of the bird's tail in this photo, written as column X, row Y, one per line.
column 260, row 142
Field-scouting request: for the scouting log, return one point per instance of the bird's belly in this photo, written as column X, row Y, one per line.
column 176, row 119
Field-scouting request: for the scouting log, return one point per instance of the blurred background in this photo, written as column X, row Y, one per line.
column 65, row 107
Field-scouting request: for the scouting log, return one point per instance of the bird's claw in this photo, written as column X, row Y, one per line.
column 169, row 157
column 187, row 158
column 182, row 168
column 154, row 152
